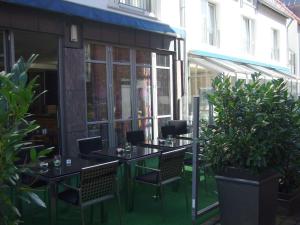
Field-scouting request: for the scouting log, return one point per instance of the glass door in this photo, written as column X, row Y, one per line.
column 96, row 91
column 144, row 92
column 121, row 70
column 163, row 90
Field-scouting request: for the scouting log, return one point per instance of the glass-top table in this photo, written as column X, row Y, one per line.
column 128, row 157
column 168, row 144
column 188, row 136
column 53, row 175
column 134, row 153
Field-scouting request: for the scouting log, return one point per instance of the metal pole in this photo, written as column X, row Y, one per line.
column 210, row 114
column 195, row 172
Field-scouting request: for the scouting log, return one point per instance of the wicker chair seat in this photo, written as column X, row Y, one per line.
column 149, row 178
column 70, row 196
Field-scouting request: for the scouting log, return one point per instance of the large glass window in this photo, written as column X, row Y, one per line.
column 96, row 91
column 164, row 98
column 122, row 92
column 212, row 25
column 147, row 7
column 248, row 37
column 45, row 109
column 1, row 52
column 275, row 53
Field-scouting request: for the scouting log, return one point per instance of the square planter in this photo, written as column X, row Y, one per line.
column 247, row 200
column 289, row 202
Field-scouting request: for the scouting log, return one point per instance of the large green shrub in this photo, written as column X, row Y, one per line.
column 16, row 96
column 257, row 125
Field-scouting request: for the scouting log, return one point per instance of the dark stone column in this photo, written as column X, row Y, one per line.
column 74, row 100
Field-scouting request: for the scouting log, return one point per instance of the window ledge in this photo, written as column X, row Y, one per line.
column 132, row 10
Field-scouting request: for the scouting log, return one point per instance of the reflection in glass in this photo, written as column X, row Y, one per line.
column 163, row 92
column 122, row 86
column 146, row 126
column 1, row 52
column 162, row 122
column 121, row 54
column 96, row 92
column 95, row 52
column 100, row 129
column 143, row 57
column 163, row 60
column 120, row 130
column 143, row 76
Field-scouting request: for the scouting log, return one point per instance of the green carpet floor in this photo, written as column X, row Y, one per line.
column 146, row 210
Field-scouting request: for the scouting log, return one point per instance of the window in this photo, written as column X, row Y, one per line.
column 1, row 52
column 275, row 53
column 146, row 7
column 292, row 62
column 248, row 35
column 212, row 25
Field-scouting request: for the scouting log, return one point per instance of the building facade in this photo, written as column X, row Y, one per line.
column 108, row 66
column 238, row 38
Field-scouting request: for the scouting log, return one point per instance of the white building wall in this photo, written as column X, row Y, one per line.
column 168, row 11
column 229, row 24
column 293, row 42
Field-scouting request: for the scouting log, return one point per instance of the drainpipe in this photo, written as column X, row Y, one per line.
column 287, row 35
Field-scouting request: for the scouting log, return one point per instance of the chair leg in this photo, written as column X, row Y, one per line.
column 186, row 196
column 119, row 208
column 92, row 215
column 161, row 195
column 82, row 216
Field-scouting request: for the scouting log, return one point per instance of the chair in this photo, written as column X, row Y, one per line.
column 135, row 137
column 180, row 126
column 97, row 184
column 167, row 130
column 88, row 145
column 170, row 170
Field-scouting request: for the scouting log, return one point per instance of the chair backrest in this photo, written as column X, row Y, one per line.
column 98, row 181
column 167, row 130
column 24, row 154
column 87, row 145
column 171, row 164
column 135, row 137
column 180, row 126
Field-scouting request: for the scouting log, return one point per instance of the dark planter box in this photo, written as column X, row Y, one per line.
column 289, row 202
column 246, row 199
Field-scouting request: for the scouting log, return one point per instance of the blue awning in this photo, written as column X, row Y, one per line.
column 100, row 15
column 279, row 69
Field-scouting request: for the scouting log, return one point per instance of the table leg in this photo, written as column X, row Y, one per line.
column 128, row 186
column 53, row 202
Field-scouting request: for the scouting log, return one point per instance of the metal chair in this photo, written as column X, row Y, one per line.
column 97, row 184
column 167, row 130
column 88, row 145
column 170, row 170
column 135, row 137
column 180, row 126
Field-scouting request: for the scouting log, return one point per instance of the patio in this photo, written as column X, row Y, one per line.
column 145, row 212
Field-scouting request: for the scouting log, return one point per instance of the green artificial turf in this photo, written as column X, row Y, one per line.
column 146, row 211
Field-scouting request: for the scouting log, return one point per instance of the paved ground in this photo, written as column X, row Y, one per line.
column 281, row 220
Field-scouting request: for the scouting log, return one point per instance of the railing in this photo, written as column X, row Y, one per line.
column 140, row 5
column 275, row 53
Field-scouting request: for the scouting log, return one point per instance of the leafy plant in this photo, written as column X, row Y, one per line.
column 16, row 96
column 257, row 125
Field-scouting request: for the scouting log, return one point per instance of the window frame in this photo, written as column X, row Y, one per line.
column 215, row 36
column 275, row 48
column 249, row 45
column 129, row 8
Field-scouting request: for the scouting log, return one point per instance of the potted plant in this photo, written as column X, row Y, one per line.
column 246, row 147
column 289, row 182
column 16, row 96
